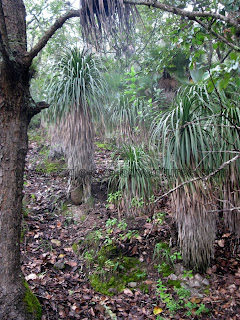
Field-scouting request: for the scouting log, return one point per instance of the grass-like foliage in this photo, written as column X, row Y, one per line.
column 196, row 137
column 75, row 94
column 76, row 83
column 133, row 177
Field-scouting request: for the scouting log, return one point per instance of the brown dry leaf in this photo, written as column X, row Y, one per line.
column 128, row 292
column 221, row 243
column 149, row 282
column 195, row 300
column 48, row 296
column 148, row 225
column 75, row 308
column 59, row 224
column 134, row 250
column 92, row 312
column 226, row 235
column 227, row 305
column 71, row 263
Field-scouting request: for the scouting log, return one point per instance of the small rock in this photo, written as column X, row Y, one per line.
column 178, row 268
column 59, row 265
column 194, row 283
column 172, row 277
column 112, row 290
column 31, row 276
column 205, row 282
column 132, row 284
column 198, row 277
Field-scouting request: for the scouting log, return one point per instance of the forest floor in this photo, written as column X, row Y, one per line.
column 70, row 254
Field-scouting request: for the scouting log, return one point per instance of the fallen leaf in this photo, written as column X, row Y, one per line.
column 31, row 276
column 128, row 292
column 56, row 242
column 221, row 243
column 134, row 250
column 195, row 300
column 226, row 235
column 157, row 310
column 71, row 263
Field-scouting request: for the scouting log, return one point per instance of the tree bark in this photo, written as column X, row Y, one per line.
column 16, row 109
column 13, row 149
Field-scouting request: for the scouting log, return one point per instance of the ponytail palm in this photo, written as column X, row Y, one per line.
column 186, row 138
column 75, row 92
column 197, row 137
column 229, row 145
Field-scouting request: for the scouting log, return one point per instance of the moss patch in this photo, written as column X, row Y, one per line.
column 105, row 146
column 174, row 283
column 50, row 167
column 75, row 247
column 114, row 271
column 32, row 304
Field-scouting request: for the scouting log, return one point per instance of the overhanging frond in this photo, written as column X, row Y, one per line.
column 102, row 16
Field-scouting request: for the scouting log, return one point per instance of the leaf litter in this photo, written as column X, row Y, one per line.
column 57, row 274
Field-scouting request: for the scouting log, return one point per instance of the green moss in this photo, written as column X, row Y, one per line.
column 144, row 288
column 23, row 231
column 34, row 136
column 75, row 247
column 25, row 210
column 107, row 252
column 32, row 304
column 105, row 146
column 207, row 290
column 174, row 283
column 50, row 167
column 115, row 271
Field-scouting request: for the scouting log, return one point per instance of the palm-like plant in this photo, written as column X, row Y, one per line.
column 185, row 138
column 75, row 94
column 229, row 144
column 198, row 136
column 101, row 16
column 134, row 178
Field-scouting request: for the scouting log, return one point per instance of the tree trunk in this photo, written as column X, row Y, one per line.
column 13, row 149
column 16, row 108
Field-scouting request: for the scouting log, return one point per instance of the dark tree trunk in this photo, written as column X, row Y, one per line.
column 13, row 148
column 16, row 109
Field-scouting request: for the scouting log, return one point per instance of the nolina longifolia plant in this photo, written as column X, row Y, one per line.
column 185, row 141
column 75, row 93
column 134, row 178
column 197, row 137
